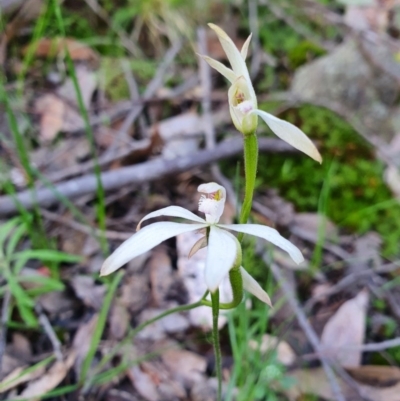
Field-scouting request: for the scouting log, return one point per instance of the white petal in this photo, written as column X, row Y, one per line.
column 235, row 58
column 143, row 241
column 223, row 70
column 245, row 47
column 252, row 286
column 221, row 256
column 291, row 134
column 172, row 211
column 270, row 234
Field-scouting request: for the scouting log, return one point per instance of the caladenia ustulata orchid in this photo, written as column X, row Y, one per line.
column 244, row 112
column 224, row 254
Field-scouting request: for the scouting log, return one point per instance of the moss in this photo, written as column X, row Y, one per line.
column 359, row 199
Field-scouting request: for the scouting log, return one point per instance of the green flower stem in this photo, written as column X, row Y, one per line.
column 217, row 349
column 250, row 169
column 235, row 278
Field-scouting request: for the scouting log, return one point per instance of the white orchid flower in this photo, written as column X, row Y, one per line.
column 243, row 101
column 223, row 247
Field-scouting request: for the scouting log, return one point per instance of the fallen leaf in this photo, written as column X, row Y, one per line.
column 180, row 134
column 50, row 380
column 185, row 365
column 88, row 291
column 118, row 320
column 55, row 47
column 17, row 377
column 314, row 381
column 161, row 272
column 285, row 353
column 346, row 329
column 82, row 340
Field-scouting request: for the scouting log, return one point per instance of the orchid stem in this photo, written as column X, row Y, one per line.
column 217, row 349
column 235, row 278
column 250, row 170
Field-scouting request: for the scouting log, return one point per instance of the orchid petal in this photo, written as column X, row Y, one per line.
column 172, row 211
column 222, row 253
column 245, row 47
column 143, row 241
column 252, row 286
column 291, row 134
column 222, row 69
column 269, row 234
column 235, row 58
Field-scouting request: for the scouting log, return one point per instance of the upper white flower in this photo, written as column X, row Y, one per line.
column 223, row 247
column 243, row 101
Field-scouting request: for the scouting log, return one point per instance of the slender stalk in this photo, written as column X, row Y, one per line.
column 250, row 168
column 215, row 337
column 235, row 278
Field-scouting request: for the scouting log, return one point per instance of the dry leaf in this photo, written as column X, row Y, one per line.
column 314, row 381
column 88, row 292
column 185, row 365
column 180, row 134
column 55, row 47
column 82, row 341
column 51, row 109
column 16, row 377
column 161, row 279
column 346, row 329
column 285, row 353
column 118, row 320
column 53, row 377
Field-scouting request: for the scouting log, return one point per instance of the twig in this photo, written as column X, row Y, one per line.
column 209, row 129
column 371, row 347
column 3, row 330
column 133, row 175
column 305, row 325
column 112, row 235
column 55, row 342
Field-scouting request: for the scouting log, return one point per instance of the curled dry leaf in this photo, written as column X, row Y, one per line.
column 346, row 329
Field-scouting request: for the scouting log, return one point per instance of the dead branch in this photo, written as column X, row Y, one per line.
column 132, row 175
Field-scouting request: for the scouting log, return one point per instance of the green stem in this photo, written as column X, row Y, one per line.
column 250, row 168
column 235, row 278
column 217, row 349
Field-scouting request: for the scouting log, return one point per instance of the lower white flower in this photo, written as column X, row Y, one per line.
column 223, row 247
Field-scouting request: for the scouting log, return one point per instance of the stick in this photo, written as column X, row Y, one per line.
column 133, row 175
